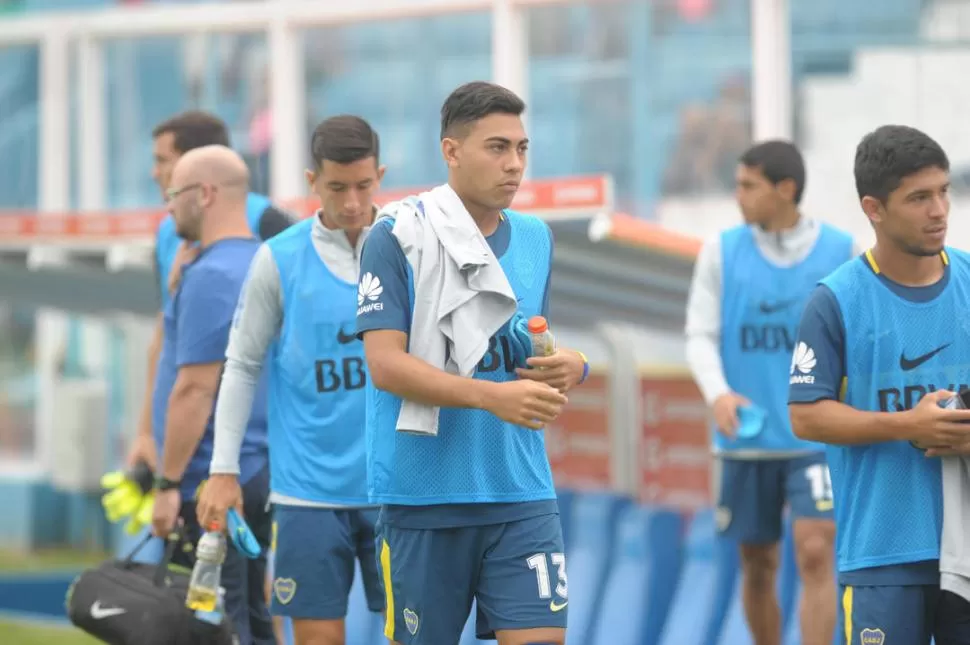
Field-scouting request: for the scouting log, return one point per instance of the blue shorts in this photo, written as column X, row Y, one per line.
column 516, row 571
column 902, row 616
column 314, row 561
column 754, row 492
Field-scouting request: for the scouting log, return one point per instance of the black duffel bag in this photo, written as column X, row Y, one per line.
column 123, row 602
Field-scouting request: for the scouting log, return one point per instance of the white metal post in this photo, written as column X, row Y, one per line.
column 54, row 185
column 771, row 78
column 90, row 124
column 288, row 110
column 54, row 167
column 510, row 50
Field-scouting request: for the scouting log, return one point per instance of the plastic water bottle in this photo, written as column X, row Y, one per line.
column 214, row 617
column 207, row 573
column 543, row 342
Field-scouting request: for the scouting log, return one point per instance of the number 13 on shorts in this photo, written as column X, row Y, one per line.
column 541, row 565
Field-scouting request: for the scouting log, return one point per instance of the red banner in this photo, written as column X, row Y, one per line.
column 675, row 453
column 538, row 197
column 578, row 443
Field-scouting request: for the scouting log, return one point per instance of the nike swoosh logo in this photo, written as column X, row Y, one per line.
column 555, row 606
column 98, row 612
column 344, row 338
column 907, row 364
column 771, row 308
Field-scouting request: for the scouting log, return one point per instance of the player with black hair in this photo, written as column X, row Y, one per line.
column 888, row 346
column 749, row 286
column 471, row 512
column 296, row 320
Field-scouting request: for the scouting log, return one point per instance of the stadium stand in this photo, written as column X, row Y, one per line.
column 372, row 60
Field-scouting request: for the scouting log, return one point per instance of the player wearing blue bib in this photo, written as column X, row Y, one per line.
column 749, row 287
column 296, row 319
column 172, row 139
column 469, row 513
column 208, row 201
column 881, row 344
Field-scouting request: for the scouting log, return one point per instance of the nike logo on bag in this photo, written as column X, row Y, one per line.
column 98, row 612
column 907, row 364
column 555, row 606
column 344, row 338
column 775, row 307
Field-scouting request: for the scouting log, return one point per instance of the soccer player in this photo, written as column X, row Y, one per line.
column 297, row 314
column 172, row 139
column 471, row 512
column 881, row 344
column 749, row 286
column 208, row 202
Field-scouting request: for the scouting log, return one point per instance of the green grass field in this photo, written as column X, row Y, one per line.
column 26, row 633
column 15, row 633
column 15, row 562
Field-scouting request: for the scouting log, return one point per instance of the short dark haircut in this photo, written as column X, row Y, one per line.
column 194, row 129
column 778, row 160
column 344, row 139
column 474, row 101
column 891, row 153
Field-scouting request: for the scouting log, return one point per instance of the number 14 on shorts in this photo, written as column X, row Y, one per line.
column 542, row 565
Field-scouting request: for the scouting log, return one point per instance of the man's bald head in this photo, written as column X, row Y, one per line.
column 210, row 179
column 214, row 165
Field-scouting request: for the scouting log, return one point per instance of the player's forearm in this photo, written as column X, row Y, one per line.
column 233, row 408
column 839, row 424
column 412, row 379
column 154, row 349
column 189, row 408
column 704, row 361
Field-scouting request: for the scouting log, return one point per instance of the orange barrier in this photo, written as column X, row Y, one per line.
column 552, row 199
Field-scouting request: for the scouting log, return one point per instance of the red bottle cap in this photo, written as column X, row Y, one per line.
column 537, row 325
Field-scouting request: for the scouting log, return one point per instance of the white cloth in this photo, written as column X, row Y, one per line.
column 954, row 548
column 461, row 294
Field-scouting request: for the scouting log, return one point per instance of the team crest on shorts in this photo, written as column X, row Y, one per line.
column 722, row 518
column 872, row 637
column 285, row 589
column 411, row 621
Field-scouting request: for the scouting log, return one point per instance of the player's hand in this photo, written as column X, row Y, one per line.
column 936, row 427
column 186, row 253
column 726, row 413
column 563, row 370
column 526, row 403
column 142, row 449
column 165, row 513
column 219, row 494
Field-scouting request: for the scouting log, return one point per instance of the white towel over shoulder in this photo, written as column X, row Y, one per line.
column 461, row 294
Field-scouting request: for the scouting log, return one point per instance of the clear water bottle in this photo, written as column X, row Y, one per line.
column 214, row 617
column 204, row 587
column 543, row 342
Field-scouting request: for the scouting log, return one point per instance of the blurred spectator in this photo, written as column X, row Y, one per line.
column 711, row 138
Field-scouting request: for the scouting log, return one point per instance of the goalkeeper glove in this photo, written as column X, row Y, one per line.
column 124, row 491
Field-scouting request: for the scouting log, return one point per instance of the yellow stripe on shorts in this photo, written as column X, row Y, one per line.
column 388, row 590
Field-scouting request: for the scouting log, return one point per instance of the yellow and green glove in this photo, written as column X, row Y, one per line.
column 129, row 494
